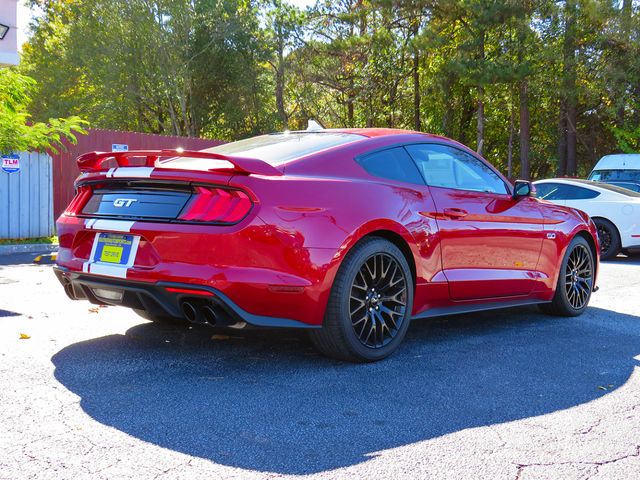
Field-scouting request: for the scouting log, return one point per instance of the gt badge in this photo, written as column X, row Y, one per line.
column 123, row 202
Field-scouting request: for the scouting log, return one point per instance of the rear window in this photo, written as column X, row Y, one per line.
column 275, row 149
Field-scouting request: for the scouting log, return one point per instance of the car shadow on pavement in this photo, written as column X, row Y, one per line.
column 266, row 401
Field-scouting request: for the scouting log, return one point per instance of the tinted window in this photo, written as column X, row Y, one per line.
column 277, row 148
column 547, row 191
column 629, row 186
column 393, row 163
column 613, row 175
column 561, row 191
column 448, row 167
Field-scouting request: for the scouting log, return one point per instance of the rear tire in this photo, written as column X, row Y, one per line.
column 575, row 281
column 369, row 308
column 609, row 238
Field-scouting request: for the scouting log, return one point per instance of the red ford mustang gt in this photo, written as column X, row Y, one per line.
column 350, row 234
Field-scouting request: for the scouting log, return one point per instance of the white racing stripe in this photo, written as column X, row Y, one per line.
column 132, row 172
column 108, row 270
column 110, row 225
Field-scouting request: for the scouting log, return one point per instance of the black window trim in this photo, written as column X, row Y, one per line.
column 405, row 144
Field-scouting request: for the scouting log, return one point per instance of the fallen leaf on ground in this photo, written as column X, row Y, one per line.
column 24, row 336
column 94, row 310
column 220, row 337
column 600, row 387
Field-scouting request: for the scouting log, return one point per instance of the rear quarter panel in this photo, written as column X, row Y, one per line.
column 333, row 214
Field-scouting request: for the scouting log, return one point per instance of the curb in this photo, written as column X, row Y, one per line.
column 28, row 248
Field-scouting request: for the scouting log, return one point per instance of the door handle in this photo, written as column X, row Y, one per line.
column 455, row 212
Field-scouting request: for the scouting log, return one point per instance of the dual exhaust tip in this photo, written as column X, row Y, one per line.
column 198, row 313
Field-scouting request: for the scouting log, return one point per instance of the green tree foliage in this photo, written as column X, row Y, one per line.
column 539, row 87
column 17, row 132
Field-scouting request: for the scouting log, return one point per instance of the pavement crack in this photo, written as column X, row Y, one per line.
column 520, row 467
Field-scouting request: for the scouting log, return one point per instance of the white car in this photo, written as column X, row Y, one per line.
column 614, row 210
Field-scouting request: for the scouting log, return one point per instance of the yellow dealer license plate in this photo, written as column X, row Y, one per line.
column 115, row 249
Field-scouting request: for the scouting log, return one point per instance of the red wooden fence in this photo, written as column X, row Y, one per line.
column 65, row 169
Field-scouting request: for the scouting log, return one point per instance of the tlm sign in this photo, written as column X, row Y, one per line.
column 11, row 163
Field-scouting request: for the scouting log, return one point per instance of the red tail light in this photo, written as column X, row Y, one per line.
column 216, row 205
column 79, row 201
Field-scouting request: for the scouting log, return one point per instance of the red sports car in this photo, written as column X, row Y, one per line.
column 348, row 233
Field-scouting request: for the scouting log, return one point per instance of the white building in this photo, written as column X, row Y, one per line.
column 9, row 32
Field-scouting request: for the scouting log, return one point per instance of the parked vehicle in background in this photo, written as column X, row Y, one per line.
column 349, row 234
column 615, row 210
column 634, row 187
column 622, row 169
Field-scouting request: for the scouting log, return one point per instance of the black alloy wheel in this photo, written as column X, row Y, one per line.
column 608, row 237
column 579, row 277
column 575, row 280
column 604, row 236
column 378, row 300
column 369, row 308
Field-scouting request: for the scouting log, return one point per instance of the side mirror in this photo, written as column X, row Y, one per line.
column 523, row 188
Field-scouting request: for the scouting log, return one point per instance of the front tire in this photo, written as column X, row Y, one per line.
column 609, row 238
column 370, row 305
column 575, row 281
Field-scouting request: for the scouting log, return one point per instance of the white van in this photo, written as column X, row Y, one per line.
column 621, row 169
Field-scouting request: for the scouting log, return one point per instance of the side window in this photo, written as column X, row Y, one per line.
column 393, row 163
column 579, row 193
column 549, row 191
column 448, row 167
column 561, row 191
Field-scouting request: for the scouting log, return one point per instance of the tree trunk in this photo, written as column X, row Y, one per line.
column 480, row 127
column 562, row 140
column 350, row 105
column 447, row 118
column 480, row 113
column 571, row 137
column 626, row 23
column 510, row 144
column 280, row 80
column 417, row 124
column 569, row 86
column 524, row 130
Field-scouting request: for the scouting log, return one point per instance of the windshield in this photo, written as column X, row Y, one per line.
column 276, row 148
column 615, row 175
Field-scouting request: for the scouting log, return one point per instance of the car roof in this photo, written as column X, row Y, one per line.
column 619, row 161
column 372, row 132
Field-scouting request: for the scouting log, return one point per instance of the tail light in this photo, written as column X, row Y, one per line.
column 216, row 205
column 79, row 201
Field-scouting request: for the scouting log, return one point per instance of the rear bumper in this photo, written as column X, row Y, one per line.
column 167, row 299
column 264, row 271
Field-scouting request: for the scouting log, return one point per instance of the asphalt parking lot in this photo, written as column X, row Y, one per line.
column 100, row 393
